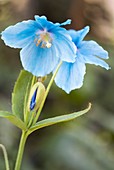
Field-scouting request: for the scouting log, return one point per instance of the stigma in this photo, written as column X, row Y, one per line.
column 43, row 39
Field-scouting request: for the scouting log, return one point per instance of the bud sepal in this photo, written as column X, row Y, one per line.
column 37, row 93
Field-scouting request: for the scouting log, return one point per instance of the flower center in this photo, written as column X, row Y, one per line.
column 43, row 39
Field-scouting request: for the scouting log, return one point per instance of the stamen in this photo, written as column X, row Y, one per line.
column 38, row 42
column 44, row 39
column 43, row 45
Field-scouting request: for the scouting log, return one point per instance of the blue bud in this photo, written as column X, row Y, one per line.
column 37, row 93
column 33, row 100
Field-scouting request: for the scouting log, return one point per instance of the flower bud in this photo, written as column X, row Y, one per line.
column 36, row 96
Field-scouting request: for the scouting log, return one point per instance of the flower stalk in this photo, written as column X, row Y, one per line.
column 46, row 93
column 25, row 133
column 21, row 150
column 5, row 156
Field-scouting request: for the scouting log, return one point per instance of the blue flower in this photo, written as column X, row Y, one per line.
column 70, row 75
column 43, row 44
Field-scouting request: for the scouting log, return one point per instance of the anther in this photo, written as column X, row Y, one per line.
column 44, row 40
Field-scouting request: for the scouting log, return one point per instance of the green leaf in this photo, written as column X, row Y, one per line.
column 13, row 119
column 58, row 119
column 19, row 95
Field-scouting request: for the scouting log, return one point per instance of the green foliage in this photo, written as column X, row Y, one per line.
column 13, row 119
column 58, row 119
column 20, row 92
column 19, row 107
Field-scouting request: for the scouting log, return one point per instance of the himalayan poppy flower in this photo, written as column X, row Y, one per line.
column 71, row 75
column 43, row 44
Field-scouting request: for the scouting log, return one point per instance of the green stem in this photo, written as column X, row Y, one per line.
column 5, row 156
column 21, row 150
column 47, row 91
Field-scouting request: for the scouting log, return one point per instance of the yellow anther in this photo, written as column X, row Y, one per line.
column 38, row 42
column 43, row 45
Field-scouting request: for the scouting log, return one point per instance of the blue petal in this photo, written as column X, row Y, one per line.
column 64, row 45
column 39, row 61
column 68, row 21
column 70, row 75
column 78, row 36
column 19, row 35
column 90, row 52
column 94, row 60
column 39, row 18
column 44, row 23
column 92, row 48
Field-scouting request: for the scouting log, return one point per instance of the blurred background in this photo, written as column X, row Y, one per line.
column 86, row 143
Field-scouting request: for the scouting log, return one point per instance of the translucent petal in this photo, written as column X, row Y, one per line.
column 68, row 21
column 91, row 59
column 66, row 48
column 92, row 48
column 44, row 23
column 78, row 36
column 39, row 18
column 39, row 61
column 19, row 35
column 70, row 75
